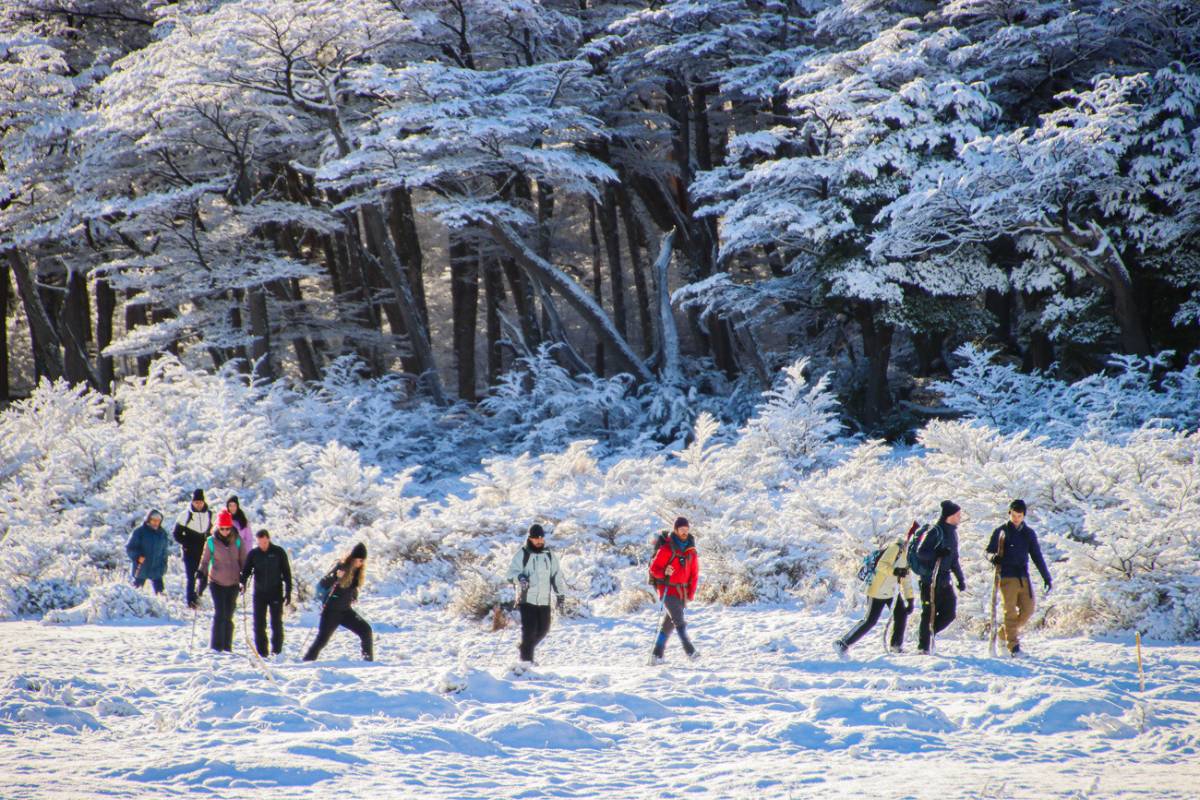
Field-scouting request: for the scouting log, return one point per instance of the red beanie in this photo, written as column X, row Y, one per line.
column 224, row 519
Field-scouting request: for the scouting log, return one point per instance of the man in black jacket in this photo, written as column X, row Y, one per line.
column 940, row 547
column 1010, row 548
column 191, row 531
column 268, row 563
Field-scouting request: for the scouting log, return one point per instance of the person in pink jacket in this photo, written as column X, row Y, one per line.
column 241, row 524
column 221, row 569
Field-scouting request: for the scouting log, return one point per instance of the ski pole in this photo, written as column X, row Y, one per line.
column 137, row 572
column 195, row 615
column 252, row 653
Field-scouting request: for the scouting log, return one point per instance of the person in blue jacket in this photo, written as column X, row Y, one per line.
column 148, row 548
column 1010, row 548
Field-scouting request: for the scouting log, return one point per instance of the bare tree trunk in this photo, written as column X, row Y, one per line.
column 635, row 239
column 493, row 283
column 552, row 277
column 612, row 248
column 5, row 291
column 47, row 355
column 260, row 332
column 235, row 321
column 74, row 328
column 597, row 278
column 668, row 334
column 136, row 316
column 106, row 306
column 403, row 220
column 464, row 301
column 877, row 347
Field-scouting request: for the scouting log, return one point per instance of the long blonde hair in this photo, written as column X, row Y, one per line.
column 351, row 574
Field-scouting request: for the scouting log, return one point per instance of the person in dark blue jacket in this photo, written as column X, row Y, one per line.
column 1010, row 548
column 940, row 547
column 268, row 563
column 148, row 548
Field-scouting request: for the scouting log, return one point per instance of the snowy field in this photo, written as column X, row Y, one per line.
column 130, row 711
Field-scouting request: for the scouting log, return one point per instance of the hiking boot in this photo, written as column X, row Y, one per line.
column 922, row 651
column 1015, row 652
column 694, row 655
column 655, row 660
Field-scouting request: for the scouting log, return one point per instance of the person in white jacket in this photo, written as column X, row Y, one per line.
column 891, row 570
column 536, row 570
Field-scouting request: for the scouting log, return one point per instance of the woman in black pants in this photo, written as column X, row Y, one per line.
column 343, row 582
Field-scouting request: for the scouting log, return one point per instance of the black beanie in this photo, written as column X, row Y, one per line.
column 681, row 522
column 359, row 551
column 1017, row 505
column 949, row 509
column 197, row 495
column 536, row 530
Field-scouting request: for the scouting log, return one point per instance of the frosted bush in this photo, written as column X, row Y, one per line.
column 111, row 601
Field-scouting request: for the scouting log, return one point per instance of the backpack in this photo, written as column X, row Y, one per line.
column 237, row 540
column 866, row 572
column 325, row 586
column 664, row 538
column 922, row 565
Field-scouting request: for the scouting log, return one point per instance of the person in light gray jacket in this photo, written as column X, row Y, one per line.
column 536, row 570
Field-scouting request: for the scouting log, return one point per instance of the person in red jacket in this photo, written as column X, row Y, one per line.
column 675, row 571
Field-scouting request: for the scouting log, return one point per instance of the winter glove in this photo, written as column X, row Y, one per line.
column 900, row 572
column 908, row 606
column 559, row 603
column 996, row 558
column 523, row 580
column 1047, row 586
column 962, row 585
column 202, row 584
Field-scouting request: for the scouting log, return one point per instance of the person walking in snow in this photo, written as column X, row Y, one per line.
column 148, row 549
column 241, row 524
column 939, row 553
column 268, row 563
column 675, row 572
column 343, row 583
column 1011, row 546
column 891, row 572
column 536, row 570
column 191, row 531
column 221, row 569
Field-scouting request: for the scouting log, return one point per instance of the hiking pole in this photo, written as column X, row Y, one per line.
column 1141, row 676
column 137, row 572
column 903, row 551
column 252, row 655
column 195, row 615
column 995, row 591
column 937, row 571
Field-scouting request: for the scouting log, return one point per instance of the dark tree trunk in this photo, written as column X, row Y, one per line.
column 520, row 287
column 106, row 307
column 493, row 282
column 464, row 300
column 260, row 333
column 635, row 239
column 5, row 291
column 612, row 248
column 47, row 355
column 597, row 277
column 877, row 347
column 136, row 316
column 545, row 212
column 403, row 221
column 235, row 321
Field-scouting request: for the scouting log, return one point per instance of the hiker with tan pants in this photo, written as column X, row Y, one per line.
column 1011, row 547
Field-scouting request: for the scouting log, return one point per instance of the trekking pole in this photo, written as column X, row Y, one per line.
column 903, row 551
column 937, row 571
column 136, row 573
column 195, row 615
column 252, row 655
column 995, row 591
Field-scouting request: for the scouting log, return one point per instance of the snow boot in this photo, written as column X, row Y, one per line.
column 520, row 668
column 840, row 649
column 655, row 660
column 693, row 655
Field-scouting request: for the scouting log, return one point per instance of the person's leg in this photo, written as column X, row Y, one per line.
column 1025, row 608
column 217, row 634
column 675, row 608
column 542, row 627
column 276, row 609
column 260, row 625
column 667, row 628
column 923, row 631
column 157, row 583
column 366, row 637
column 947, row 607
column 875, row 606
column 529, row 622
column 899, row 621
column 190, row 566
column 1009, row 589
column 330, row 619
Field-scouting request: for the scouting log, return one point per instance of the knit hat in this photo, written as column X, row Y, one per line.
column 535, row 531
column 154, row 512
column 359, row 551
column 198, row 495
column 681, row 522
column 224, row 519
column 949, row 509
column 1017, row 505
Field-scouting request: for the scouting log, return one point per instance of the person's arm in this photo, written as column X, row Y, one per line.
column 205, row 557
column 1035, row 551
column 516, row 566
column 658, row 564
column 179, row 533
column 994, row 542
column 247, row 571
column 286, row 568
column 133, row 547
column 694, row 578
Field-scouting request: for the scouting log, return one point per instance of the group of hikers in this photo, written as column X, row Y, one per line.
column 217, row 554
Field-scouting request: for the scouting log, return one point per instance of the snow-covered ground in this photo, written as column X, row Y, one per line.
column 129, row 710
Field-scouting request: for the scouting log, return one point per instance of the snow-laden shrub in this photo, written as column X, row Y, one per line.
column 111, row 601
column 38, row 597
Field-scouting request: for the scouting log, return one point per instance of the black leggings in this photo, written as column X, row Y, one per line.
column 674, row 621
column 330, row 620
column 535, row 624
column 899, row 620
column 224, row 604
column 261, row 606
column 947, row 605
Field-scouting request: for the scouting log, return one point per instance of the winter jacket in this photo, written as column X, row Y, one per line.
column 1019, row 544
column 226, row 560
column 883, row 585
column 247, row 537
column 272, row 573
column 682, row 555
column 191, row 531
column 542, row 569
column 942, row 542
column 153, row 545
column 340, row 597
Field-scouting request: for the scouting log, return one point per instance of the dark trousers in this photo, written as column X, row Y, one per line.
column 673, row 621
column 191, row 564
column 535, row 624
column 261, row 606
column 331, row 618
column 139, row 581
column 899, row 620
column 947, row 604
column 224, row 604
